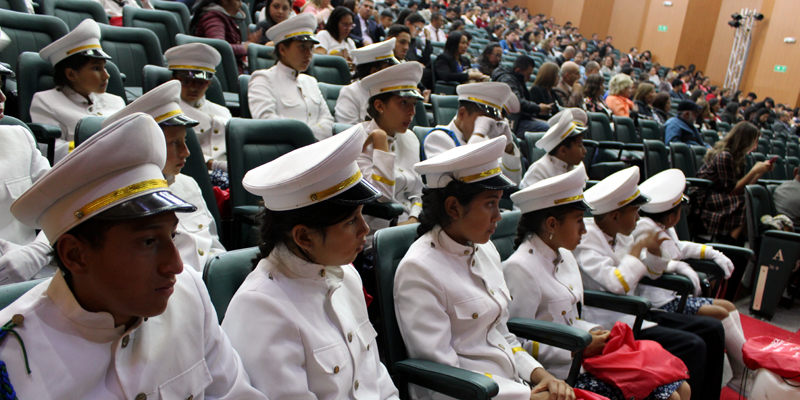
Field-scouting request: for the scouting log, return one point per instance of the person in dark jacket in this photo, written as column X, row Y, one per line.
column 681, row 127
column 516, row 77
column 542, row 90
column 450, row 66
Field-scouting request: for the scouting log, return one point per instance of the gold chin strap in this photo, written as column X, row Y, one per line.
column 322, row 195
column 629, row 199
column 568, row 199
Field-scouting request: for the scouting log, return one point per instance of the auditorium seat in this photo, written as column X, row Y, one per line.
column 73, row 12
column 131, row 49
column 28, row 33
column 177, row 9
column 162, row 23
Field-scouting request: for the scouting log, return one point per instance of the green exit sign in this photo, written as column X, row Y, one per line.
column 662, row 28
column 780, row 68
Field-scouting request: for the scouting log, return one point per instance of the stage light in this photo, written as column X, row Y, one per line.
column 736, row 17
column 759, row 17
column 734, row 24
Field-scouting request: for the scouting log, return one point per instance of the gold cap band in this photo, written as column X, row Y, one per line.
column 119, row 194
column 484, row 174
column 571, row 128
column 298, row 34
column 168, row 115
column 477, row 100
column 629, row 199
column 82, row 48
column 384, row 57
column 568, row 199
column 403, row 87
column 322, row 195
column 193, row 67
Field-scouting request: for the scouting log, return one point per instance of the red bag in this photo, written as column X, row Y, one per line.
column 776, row 355
column 636, row 367
column 581, row 394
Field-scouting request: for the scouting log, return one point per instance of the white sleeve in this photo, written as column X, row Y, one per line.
column 511, row 164
column 43, row 113
column 39, row 163
column 261, row 98
column 347, row 109
column 619, row 279
column 377, row 167
column 323, row 129
column 21, row 263
column 437, row 142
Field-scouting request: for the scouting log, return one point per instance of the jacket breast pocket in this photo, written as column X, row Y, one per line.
column 192, row 383
column 289, row 102
column 472, row 308
column 332, row 358
column 15, row 188
column 366, row 334
column 560, row 309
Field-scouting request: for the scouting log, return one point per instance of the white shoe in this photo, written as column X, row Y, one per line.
column 746, row 380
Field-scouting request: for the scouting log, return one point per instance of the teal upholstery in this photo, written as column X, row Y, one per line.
column 656, row 158
column 421, row 132
column 793, row 149
column 505, row 233
column 768, row 134
column 36, row 75
column 244, row 104
column 650, row 129
column 682, row 157
column 710, row 137
column 791, row 164
column 608, row 148
column 534, row 153
column 625, row 130
column 339, row 127
column 227, row 71
column 445, row 108
column 763, row 145
column 153, row 76
column 177, row 9
column 758, row 203
column 14, row 5
column 10, row 293
column 420, row 116
column 162, row 23
column 73, row 12
column 87, row 127
column 28, row 33
column 699, row 154
column 330, row 93
column 131, row 49
column 779, row 172
column 260, row 57
column 245, row 22
column 723, row 127
column 223, row 275
column 329, row 69
column 778, row 148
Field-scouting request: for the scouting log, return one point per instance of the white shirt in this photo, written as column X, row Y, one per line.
column 393, row 173
column 211, row 129
column 303, row 331
column 333, row 46
column 351, row 106
column 64, row 108
column 437, row 35
column 282, row 93
column 22, row 252
column 547, row 286
column 452, row 307
column 77, row 354
column 545, row 167
column 437, row 142
column 196, row 237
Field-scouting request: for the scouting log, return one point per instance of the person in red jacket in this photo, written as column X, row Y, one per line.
column 219, row 19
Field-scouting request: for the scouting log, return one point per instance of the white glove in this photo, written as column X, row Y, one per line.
column 721, row 259
column 223, row 165
column 502, row 128
column 21, row 263
column 682, row 268
column 485, row 127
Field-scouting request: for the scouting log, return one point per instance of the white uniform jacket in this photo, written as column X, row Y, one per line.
column 211, row 129
column 283, row 93
column 438, row 141
column 331, row 45
column 22, row 252
column 452, row 308
column 674, row 249
column 547, row 286
column 196, row 237
column 545, row 167
column 303, row 331
column 351, row 106
column 393, row 173
column 606, row 265
column 76, row 354
column 64, row 108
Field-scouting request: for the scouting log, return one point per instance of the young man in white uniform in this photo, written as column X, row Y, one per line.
column 351, row 106
column 563, row 143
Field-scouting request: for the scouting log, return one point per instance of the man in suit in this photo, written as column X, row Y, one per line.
column 366, row 31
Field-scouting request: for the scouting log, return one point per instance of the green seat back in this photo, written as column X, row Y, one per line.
column 779, row 172
column 227, row 71
column 768, row 134
column 251, row 143
column 244, row 103
column 625, row 130
column 28, row 33
column 154, row 76
column 10, row 293
column 73, row 12
column 699, row 154
column 723, row 127
column 244, row 24
column 600, row 128
column 330, row 69
column 177, row 9
column 535, row 153
column 682, row 158
column 421, row 132
column 223, row 275
column 131, row 49
column 260, row 57
column 650, row 129
column 763, row 145
column 36, row 75
column 162, row 23
column 778, row 148
column 656, row 158
column 445, row 108
column 505, row 233
column 14, row 5
column 758, row 203
column 330, row 93
column 420, row 116
column 791, row 164
column 87, row 127
column 709, row 136
column 792, row 149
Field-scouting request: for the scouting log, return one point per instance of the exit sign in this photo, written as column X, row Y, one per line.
column 780, row 68
column 662, row 28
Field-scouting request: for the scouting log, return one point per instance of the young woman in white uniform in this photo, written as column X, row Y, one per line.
column 283, row 92
column 351, row 106
column 300, row 320
column 81, row 79
column 545, row 281
column 449, row 292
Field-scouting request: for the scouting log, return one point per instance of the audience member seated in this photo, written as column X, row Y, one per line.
column 320, row 9
column 366, row 31
column 490, row 58
column 351, row 106
column 782, row 124
column 451, row 66
column 420, row 51
column 114, row 7
column 516, row 77
column 509, row 38
column 567, row 55
column 643, row 98
column 731, row 114
column 434, row 31
column 652, row 76
column 677, row 90
column 591, row 68
column 723, row 210
column 568, row 90
column 277, row 11
column 620, row 88
column 219, row 19
column 609, row 66
column 563, row 144
column 661, row 107
column 334, row 39
column 542, row 90
column 681, row 128
column 705, row 117
column 283, row 91
column 593, row 95
column 787, row 198
column 760, row 118
column 80, row 77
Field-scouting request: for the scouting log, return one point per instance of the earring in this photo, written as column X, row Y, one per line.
column 551, row 235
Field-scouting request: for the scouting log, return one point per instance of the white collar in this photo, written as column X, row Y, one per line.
column 440, row 238
column 459, row 134
column 101, row 323
column 78, row 98
column 295, row 267
column 544, row 250
column 284, row 69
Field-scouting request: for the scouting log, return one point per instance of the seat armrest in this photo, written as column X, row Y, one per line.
column 550, row 333
column 123, row 77
column 733, row 251
column 589, row 141
column 633, row 146
column 791, row 236
column 707, row 267
column 611, row 145
column 674, row 282
column 44, row 132
column 632, row 305
column 246, row 210
column 699, row 182
column 451, row 381
column 388, row 211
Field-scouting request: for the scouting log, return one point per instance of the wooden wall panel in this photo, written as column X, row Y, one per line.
column 664, row 45
column 626, row 23
column 698, row 28
column 783, row 87
column 535, row 6
column 568, row 10
column 596, row 17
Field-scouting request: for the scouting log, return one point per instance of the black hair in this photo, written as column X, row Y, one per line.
column 364, row 70
column 568, row 142
column 404, row 14
column 456, row 25
column 677, row 82
column 93, row 232
column 433, row 208
column 523, row 62
column 452, row 43
column 395, row 31
column 662, row 216
column 436, row 15
column 753, row 95
column 487, row 51
column 387, row 13
column 332, row 26
column 384, row 97
column 470, row 107
column 276, row 226
column 533, row 222
column 74, row 62
column 414, row 18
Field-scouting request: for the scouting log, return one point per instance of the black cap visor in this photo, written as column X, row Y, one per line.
column 641, row 199
column 146, row 205
column 490, row 111
column 301, row 38
column 94, row 53
column 179, row 120
column 195, row 74
column 5, row 70
column 362, row 192
column 497, row 182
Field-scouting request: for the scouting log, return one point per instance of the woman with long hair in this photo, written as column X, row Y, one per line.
column 542, row 89
column 275, row 12
column 451, row 65
column 335, row 38
column 609, row 65
column 219, row 19
column 662, row 104
column 643, row 98
column 299, row 321
column 593, row 95
column 723, row 211
column 731, row 113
